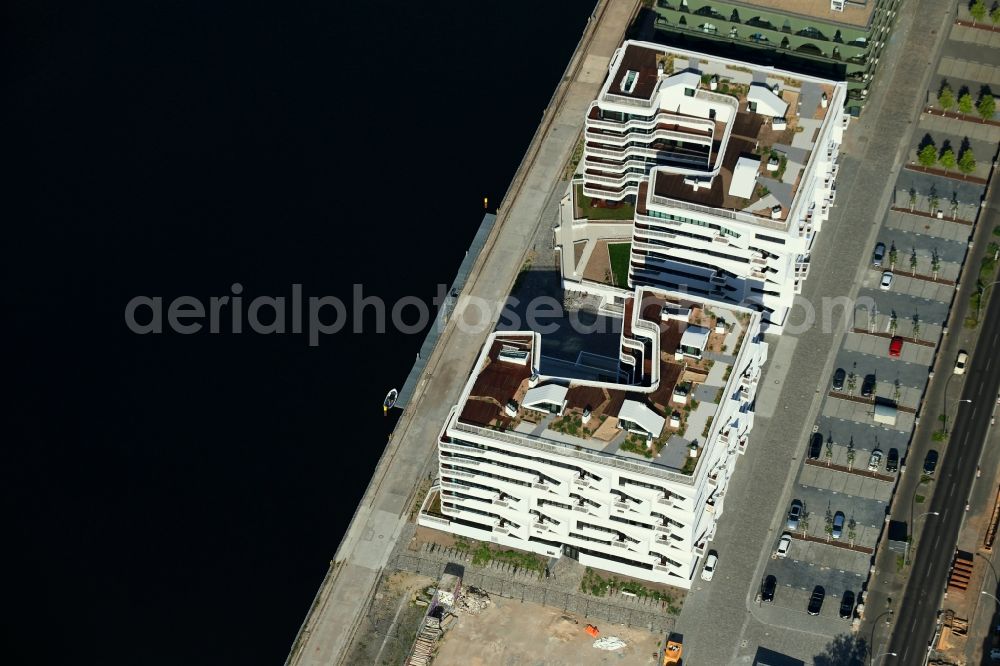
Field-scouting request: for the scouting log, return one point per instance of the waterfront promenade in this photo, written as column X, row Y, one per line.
column 354, row 572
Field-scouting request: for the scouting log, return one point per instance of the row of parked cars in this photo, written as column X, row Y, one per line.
column 770, row 585
column 874, row 460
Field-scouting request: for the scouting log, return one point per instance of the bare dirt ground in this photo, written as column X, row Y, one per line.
column 388, row 630
column 513, row 633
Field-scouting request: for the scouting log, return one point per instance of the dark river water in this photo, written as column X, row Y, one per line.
column 176, row 498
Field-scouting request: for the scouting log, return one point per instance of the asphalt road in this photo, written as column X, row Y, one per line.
column 955, row 474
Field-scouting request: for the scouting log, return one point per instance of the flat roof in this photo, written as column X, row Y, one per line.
column 757, row 113
column 652, row 331
column 744, row 178
column 857, row 13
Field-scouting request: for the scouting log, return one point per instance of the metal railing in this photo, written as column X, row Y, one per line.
column 650, row 136
column 561, row 449
column 737, row 216
column 631, row 101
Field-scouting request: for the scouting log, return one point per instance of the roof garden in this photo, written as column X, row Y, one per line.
column 762, row 128
column 677, row 360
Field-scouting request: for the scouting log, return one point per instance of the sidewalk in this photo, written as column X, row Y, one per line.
column 345, row 593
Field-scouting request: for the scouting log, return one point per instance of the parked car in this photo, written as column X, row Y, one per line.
column 838, row 525
column 886, row 282
column 815, row 446
column 878, row 255
column 874, row 461
column 930, row 462
column 784, row 543
column 995, row 654
column 895, row 346
column 892, row 461
column 868, row 386
column 710, row 562
column 847, row 605
column 960, row 362
column 816, row 600
column 768, row 588
column 838, row 379
column 794, row 514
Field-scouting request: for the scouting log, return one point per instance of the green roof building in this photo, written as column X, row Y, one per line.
column 838, row 39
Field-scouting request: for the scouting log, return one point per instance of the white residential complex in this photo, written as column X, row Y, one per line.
column 717, row 173
column 622, row 465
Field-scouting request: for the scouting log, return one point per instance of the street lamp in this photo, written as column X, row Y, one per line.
column 887, row 654
column 984, row 592
column 875, row 626
column 948, row 404
column 982, row 293
column 929, row 513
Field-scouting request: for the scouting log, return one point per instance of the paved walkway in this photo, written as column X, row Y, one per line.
column 720, row 620
column 355, row 570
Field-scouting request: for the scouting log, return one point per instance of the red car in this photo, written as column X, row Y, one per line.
column 895, row 346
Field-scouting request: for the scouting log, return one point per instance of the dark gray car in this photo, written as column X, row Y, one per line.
column 794, row 514
column 878, row 255
column 838, row 379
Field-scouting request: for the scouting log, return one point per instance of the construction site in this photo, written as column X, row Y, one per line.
column 465, row 626
column 968, row 625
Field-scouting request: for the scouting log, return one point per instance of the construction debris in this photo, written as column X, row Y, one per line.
column 473, row 601
column 609, row 643
column 426, row 642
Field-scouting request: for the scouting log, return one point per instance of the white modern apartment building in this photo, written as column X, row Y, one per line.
column 730, row 170
column 621, row 465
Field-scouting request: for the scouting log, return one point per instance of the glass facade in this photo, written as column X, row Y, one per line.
column 781, row 38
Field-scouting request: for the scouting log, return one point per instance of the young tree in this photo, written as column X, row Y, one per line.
column 852, row 383
column 893, row 255
column 916, row 324
column 935, row 262
column 913, row 198
column 927, row 155
column 913, row 261
column 893, row 323
column 965, row 103
column 946, row 98
column 978, row 10
column 934, row 200
column 987, row 105
column 967, row 162
column 828, row 519
column 947, row 159
column 995, row 15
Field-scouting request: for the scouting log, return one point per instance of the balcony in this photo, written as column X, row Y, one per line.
column 664, row 502
column 663, row 529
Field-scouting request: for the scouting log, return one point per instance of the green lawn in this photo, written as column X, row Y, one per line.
column 625, row 211
column 619, row 253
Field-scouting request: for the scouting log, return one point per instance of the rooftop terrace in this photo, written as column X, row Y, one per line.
column 857, row 13
column 766, row 124
column 680, row 360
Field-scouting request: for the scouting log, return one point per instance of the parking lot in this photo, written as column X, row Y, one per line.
column 914, row 306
